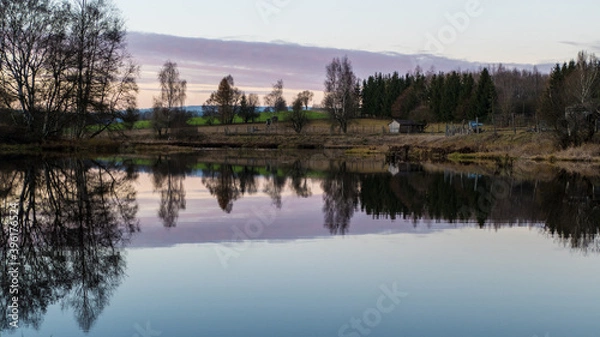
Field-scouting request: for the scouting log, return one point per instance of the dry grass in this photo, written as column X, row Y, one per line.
column 365, row 137
column 587, row 152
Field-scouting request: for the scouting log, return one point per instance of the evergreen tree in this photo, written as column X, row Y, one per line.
column 226, row 99
column 485, row 96
column 450, row 97
column 436, row 91
column 466, row 100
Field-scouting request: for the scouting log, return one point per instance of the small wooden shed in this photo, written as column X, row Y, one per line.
column 406, row 126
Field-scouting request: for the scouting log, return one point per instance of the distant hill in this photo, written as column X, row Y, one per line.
column 195, row 109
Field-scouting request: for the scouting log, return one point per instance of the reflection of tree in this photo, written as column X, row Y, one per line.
column 248, row 183
column 340, row 195
column 228, row 183
column 274, row 185
column 573, row 214
column 568, row 204
column 168, row 177
column 172, row 199
column 417, row 194
column 75, row 217
column 223, row 183
column 384, row 196
column 299, row 181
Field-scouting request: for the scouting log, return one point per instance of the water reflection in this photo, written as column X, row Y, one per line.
column 569, row 205
column 228, row 183
column 274, row 185
column 225, row 185
column 75, row 216
column 573, row 209
column 169, row 174
column 341, row 190
column 78, row 214
column 299, row 180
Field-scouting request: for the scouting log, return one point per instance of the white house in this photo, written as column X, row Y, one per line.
column 394, row 126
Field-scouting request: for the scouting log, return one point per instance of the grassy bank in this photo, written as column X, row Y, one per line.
column 365, row 138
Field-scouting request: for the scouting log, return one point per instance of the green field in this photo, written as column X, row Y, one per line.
column 262, row 118
column 201, row 121
column 142, row 125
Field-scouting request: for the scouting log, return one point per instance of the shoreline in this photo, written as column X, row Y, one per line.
column 486, row 147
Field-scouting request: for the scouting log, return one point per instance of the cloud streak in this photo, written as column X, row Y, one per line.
column 587, row 46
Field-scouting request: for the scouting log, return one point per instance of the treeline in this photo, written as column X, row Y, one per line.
column 63, row 67
column 567, row 101
column 224, row 105
column 498, row 93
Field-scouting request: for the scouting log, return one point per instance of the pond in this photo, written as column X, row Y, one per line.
column 233, row 245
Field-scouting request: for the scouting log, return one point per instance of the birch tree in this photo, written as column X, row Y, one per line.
column 341, row 98
column 172, row 96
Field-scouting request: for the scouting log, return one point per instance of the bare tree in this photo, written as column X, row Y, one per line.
column 341, row 99
column 275, row 99
column 6, row 99
column 306, row 97
column 66, row 59
column 172, row 88
column 172, row 96
column 297, row 117
column 584, row 83
column 583, row 92
column 253, row 103
column 25, row 30
column 506, row 86
column 104, row 74
column 248, row 105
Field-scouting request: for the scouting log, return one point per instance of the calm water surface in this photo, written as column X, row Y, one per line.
column 189, row 246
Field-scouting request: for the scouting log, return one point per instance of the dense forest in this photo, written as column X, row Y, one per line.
column 454, row 96
column 566, row 101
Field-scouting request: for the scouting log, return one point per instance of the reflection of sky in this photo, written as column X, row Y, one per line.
column 203, row 220
column 466, row 282
column 296, row 279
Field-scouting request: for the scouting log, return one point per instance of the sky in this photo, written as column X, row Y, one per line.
column 483, row 31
